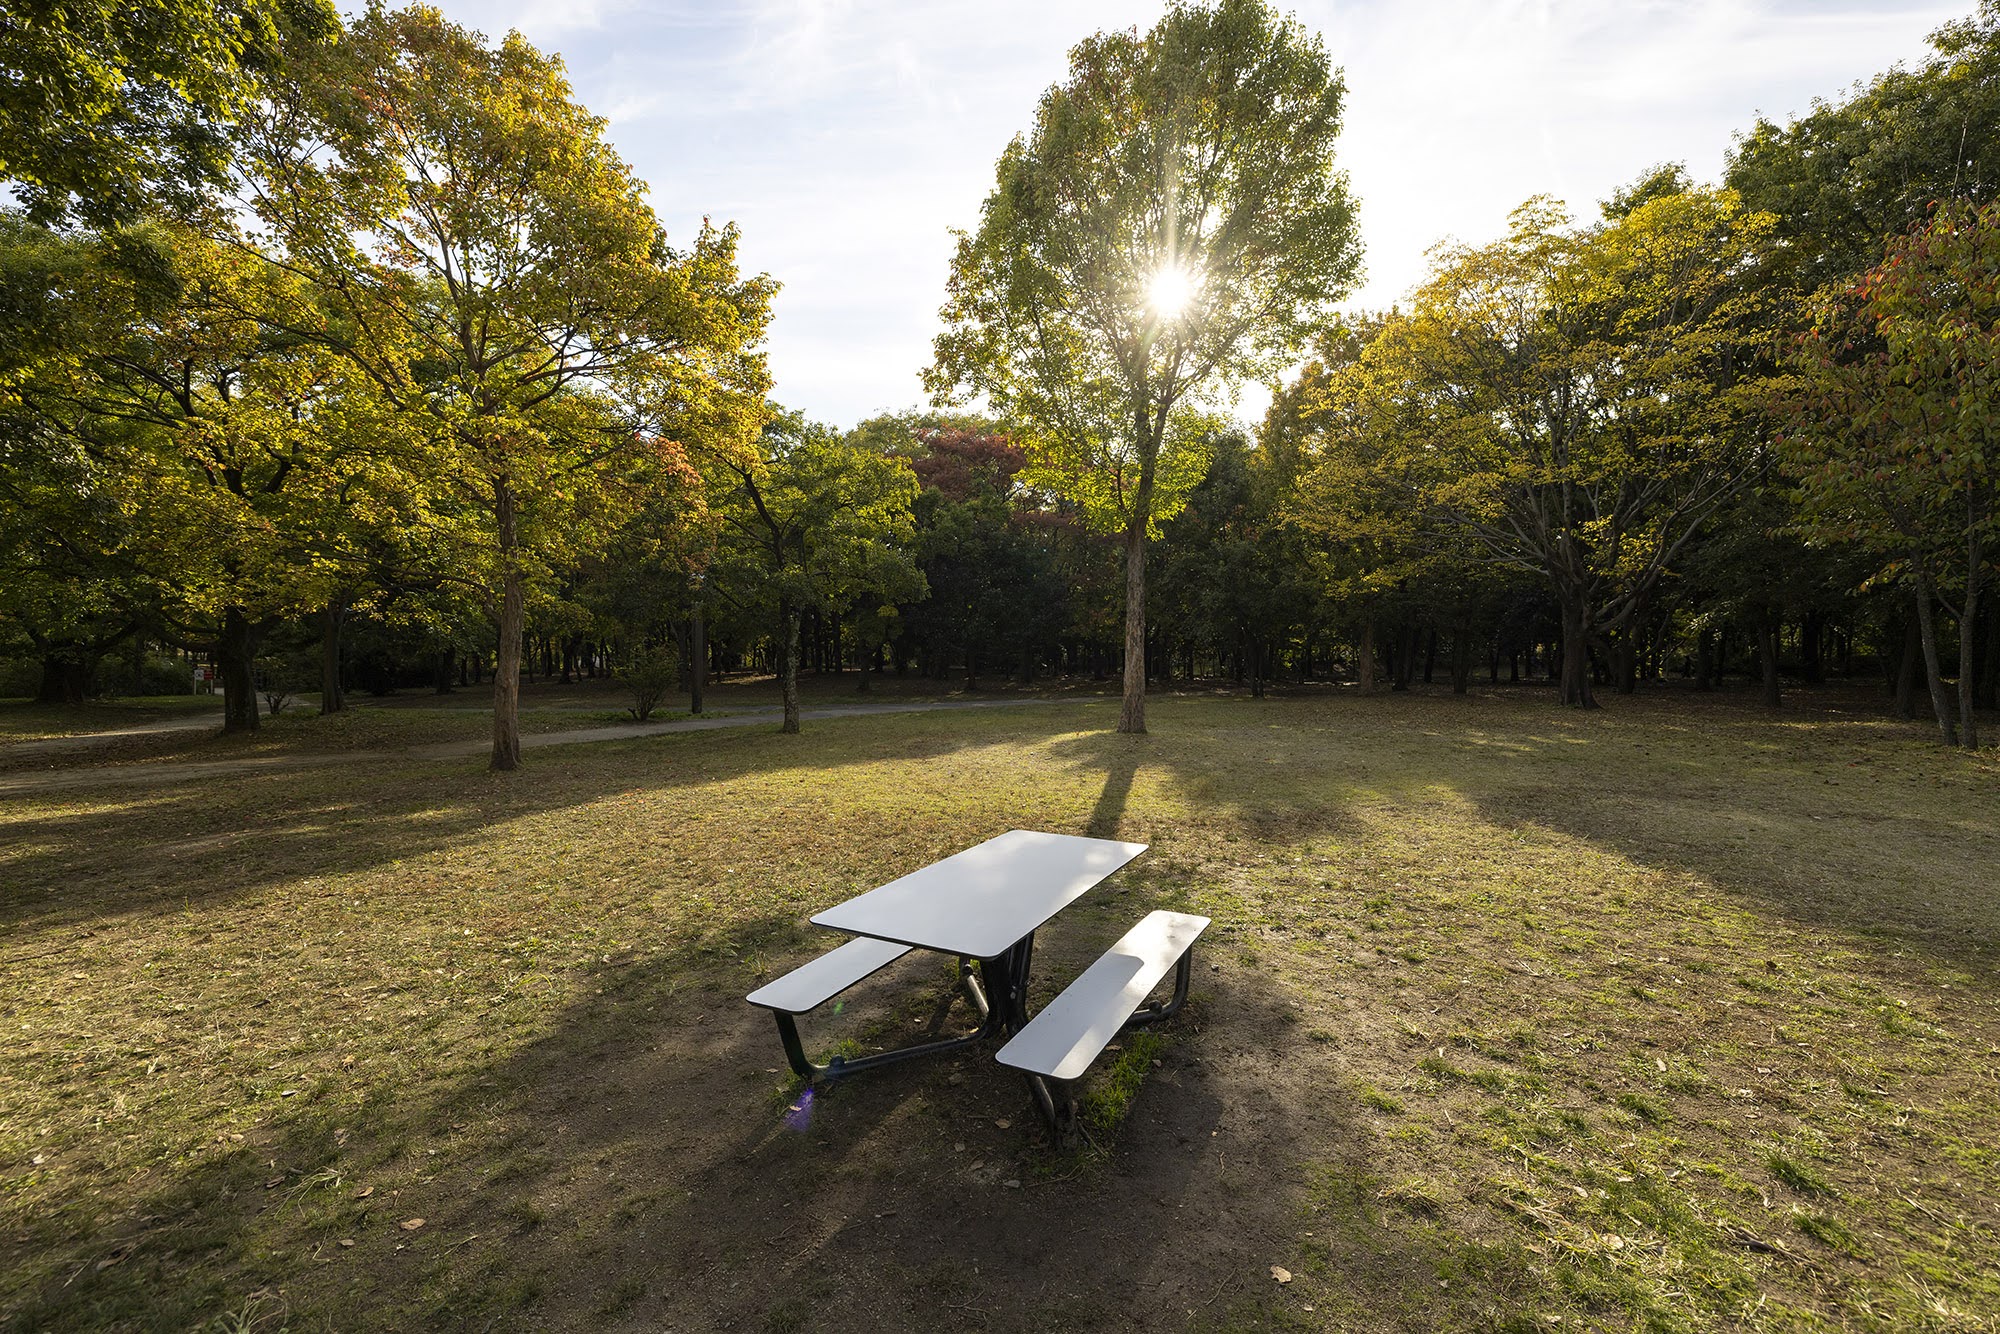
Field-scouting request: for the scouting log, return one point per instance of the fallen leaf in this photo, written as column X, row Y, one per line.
column 977, row 1165
column 347, row 1241
column 1614, row 1241
column 1003, row 1123
column 410, row 1224
column 364, row 1192
column 1282, row 1274
column 1011, row 1185
column 1662, row 1064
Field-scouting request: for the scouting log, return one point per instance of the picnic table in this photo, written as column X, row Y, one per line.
column 983, row 907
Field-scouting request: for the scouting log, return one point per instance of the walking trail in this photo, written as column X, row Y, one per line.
column 195, row 771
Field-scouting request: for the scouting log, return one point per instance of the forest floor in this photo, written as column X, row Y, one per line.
column 1678, row 1015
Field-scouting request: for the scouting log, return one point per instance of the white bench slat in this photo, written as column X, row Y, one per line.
column 1062, row 1041
column 812, row 984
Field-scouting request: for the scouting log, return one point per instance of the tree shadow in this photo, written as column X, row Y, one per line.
column 1828, row 818
column 643, row 1166
column 76, row 860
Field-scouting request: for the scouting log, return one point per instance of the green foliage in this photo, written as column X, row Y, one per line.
column 1852, row 173
column 1567, row 403
column 651, row 674
column 491, row 265
column 1172, row 226
column 1203, row 148
column 109, row 107
column 810, row 521
column 1894, row 419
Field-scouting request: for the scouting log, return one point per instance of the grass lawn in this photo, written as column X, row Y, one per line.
column 25, row 720
column 1673, row 1016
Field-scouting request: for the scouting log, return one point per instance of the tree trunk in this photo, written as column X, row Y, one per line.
column 1625, row 661
column 788, row 667
column 1989, row 670
column 697, row 659
column 1927, row 629
column 1811, row 634
column 1906, row 671
column 1364, row 664
column 1461, row 661
column 236, row 653
column 1704, row 659
column 1577, row 692
column 1132, row 710
column 507, row 665
column 332, row 699
column 1968, row 628
column 65, row 676
column 1767, row 654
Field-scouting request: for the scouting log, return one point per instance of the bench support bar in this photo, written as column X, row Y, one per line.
column 838, row 1067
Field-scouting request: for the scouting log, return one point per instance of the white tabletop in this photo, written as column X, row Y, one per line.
column 981, row 901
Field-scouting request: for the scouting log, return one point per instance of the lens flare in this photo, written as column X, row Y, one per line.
column 799, row 1116
column 1170, row 291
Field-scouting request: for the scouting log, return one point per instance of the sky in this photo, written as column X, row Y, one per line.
column 847, row 138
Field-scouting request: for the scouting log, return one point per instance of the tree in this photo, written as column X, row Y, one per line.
column 241, row 458
column 493, row 266
column 108, row 108
column 1895, row 430
column 991, row 578
column 1172, row 227
column 74, row 582
column 1579, row 402
column 1852, row 174
column 810, row 522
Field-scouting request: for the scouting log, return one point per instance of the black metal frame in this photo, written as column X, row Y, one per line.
column 1056, row 1097
column 999, row 989
column 1009, row 971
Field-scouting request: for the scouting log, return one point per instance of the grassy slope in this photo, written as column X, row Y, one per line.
column 1666, row 1017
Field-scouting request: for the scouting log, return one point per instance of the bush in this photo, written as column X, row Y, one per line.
column 154, row 674
column 652, row 674
column 19, row 676
column 281, row 675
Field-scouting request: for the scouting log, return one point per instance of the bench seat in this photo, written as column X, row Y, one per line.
column 811, row 985
column 1062, row 1041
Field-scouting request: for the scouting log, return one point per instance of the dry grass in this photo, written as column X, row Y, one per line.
column 1668, row 1017
column 23, row 720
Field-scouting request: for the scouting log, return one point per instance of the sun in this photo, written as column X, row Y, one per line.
column 1171, row 289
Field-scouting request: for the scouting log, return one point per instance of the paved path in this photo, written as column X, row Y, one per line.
column 196, row 771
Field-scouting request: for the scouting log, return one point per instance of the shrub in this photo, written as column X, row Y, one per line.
column 651, row 674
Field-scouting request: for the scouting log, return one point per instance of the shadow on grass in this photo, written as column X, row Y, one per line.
column 644, row 1166
column 1824, row 818
column 93, row 854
